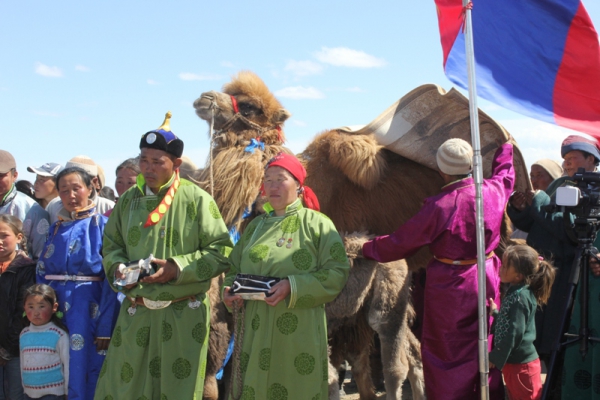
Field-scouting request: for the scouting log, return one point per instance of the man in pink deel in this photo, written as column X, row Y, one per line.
column 446, row 223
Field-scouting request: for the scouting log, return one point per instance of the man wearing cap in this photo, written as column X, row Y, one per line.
column 44, row 186
column 89, row 166
column 547, row 233
column 446, row 223
column 160, row 342
column 35, row 218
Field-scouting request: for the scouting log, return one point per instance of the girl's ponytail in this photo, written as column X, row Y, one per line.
column 537, row 273
column 542, row 280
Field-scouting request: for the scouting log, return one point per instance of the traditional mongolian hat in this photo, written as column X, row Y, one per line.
column 163, row 139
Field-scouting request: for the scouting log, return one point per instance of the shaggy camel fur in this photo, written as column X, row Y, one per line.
column 221, row 324
column 374, row 300
column 378, row 306
column 236, row 172
column 364, row 187
column 235, row 179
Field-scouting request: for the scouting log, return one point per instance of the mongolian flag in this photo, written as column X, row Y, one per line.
column 540, row 58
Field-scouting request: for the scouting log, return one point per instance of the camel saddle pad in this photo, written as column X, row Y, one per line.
column 416, row 125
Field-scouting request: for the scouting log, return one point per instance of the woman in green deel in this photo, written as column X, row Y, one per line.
column 284, row 348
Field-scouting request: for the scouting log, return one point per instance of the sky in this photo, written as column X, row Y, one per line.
column 90, row 78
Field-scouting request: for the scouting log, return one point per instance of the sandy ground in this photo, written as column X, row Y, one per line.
column 349, row 391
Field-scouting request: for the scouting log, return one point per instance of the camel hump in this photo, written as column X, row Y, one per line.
column 359, row 157
column 417, row 124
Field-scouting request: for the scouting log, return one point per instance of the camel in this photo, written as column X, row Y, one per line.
column 363, row 185
column 235, row 183
column 372, row 302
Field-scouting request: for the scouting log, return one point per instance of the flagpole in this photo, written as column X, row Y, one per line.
column 478, row 178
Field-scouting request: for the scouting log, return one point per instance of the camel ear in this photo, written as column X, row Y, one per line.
column 281, row 116
column 358, row 157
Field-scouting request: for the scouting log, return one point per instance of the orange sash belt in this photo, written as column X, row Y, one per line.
column 461, row 262
column 164, row 205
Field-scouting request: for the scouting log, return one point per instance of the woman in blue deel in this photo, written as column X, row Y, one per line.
column 71, row 263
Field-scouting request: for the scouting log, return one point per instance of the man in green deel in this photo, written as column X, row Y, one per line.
column 159, row 345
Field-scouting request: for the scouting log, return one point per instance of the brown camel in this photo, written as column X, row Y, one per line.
column 361, row 186
column 236, row 179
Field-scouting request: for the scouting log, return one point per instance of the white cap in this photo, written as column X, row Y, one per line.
column 48, row 169
column 85, row 163
column 455, row 157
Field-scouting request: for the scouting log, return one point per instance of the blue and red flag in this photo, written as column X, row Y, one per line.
column 540, row 58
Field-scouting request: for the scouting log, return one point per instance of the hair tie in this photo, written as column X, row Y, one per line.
column 540, row 258
column 59, row 314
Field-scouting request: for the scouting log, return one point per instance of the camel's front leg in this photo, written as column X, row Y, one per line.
column 412, row 352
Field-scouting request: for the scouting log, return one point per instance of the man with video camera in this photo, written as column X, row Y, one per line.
column 534, row 212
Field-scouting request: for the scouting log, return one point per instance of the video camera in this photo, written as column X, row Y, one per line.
column 583, row 202
column 583, row 199
column 134, row 271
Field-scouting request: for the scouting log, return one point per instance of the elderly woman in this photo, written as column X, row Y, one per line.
column 543, row 172
column 284, row 345
column 126, row 173
column 71, row 263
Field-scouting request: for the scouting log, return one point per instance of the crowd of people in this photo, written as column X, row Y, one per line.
column 74, row 324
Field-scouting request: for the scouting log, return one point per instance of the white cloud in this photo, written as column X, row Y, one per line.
column 345, row 57
column 189, row 76
column 81, row 68
column 45, row 70
column 152, row 82
column 227, row 64
column 303, row 68
column 300, row 92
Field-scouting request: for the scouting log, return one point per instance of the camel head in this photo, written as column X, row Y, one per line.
column 245, row 108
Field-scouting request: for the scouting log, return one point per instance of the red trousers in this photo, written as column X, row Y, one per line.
column 523, row 381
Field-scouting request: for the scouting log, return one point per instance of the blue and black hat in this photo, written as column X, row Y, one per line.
column 163, row 139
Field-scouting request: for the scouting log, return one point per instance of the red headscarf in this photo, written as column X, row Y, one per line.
column 294, row 167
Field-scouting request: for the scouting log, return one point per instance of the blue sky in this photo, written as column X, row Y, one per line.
column 91, row 77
